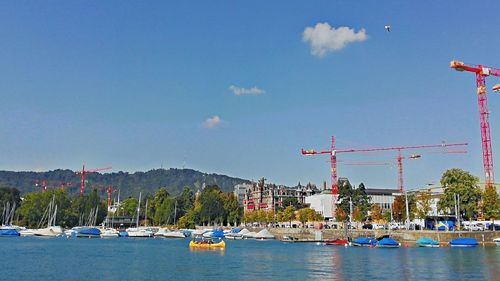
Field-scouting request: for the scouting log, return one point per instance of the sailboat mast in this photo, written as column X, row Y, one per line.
column 146, row 214
column 175, row 211
column 138, row 210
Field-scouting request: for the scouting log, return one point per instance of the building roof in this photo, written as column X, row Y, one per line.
column 381, row 191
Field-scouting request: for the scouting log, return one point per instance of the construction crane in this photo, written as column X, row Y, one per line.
column 333, row 158
column 109, row 190
column 481, row 72
column 399, row 160
column 83, row 172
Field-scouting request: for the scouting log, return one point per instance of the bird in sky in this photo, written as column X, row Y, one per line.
column 388, row 28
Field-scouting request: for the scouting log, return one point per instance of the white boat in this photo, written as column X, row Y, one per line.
column 51, row 230
column 166, row 233
column 497, row 241
column 27, row 232
column 139, row 232
column 110, row 233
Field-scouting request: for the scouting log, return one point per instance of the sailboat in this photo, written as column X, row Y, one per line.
column 139, row 232
column 52, row 230
column 89, row 231
column 166, row 233
column 7, row 229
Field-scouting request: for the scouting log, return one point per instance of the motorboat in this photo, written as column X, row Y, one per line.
column 166, row 233
column 110, row 233
column 87, row 232
column 497, row 241
column 337, row 242
column 388, row 242
column 8, row 231
column 364, row 242
column 27, row 232
column 427, row 242
column 139, row 232
column 464, row 242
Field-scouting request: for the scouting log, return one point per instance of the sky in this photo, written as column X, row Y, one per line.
column 239, row 87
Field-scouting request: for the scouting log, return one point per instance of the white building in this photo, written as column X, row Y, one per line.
column 322, row 203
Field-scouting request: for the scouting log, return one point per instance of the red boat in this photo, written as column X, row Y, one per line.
column 337, row 242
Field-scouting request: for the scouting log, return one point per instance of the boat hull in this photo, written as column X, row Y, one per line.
column 428, row 245
column 337, row 242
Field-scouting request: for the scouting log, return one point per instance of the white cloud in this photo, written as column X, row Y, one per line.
column 212, row 122
column 246, row 91
column 323, row 38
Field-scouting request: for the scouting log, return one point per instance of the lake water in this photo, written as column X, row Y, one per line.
column 31, row 258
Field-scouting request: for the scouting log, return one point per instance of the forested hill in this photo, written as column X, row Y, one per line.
column 174, row 180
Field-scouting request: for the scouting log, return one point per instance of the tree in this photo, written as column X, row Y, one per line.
column 289, row 214
column 340, row 215
column 291, row 201
column 376, row 212
column 357, row 215
column 399, row 208
column 129, row 207
column 212, row 205
column 358, row 197
column 188, row 220
column 423, row 202
column 457, row 181
column 490, row 204
column 303, row 215
column 232, row 208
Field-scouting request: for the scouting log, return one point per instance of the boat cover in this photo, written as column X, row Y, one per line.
column 388, row 241
column 217, row 233
column 88, row 231
column 464, row 242
column 264, row 234
column 426, row 241
column 9, row 232
column 235, row 230
column 365, row 240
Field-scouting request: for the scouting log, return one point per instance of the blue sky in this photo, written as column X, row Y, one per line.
column 144, row 84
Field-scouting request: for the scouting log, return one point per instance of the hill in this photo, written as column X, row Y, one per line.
column 129, row 184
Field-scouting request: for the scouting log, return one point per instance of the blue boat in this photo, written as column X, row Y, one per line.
column 427, row 242
column 123, row 234
column 8, row 232
column 464, row 242
column 87, row 232
column 364, row 242
column 388, row 242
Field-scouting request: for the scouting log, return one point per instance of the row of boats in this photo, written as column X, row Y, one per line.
column 387, row 242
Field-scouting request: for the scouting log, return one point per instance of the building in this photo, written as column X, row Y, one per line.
column 240, row 190
column 322, row 203
column 382, row 196
column 262, row 196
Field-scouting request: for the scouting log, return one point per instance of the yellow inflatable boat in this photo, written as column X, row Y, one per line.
column 207, row 244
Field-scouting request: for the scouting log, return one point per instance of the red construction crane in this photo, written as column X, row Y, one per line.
column 333, row 158
column 84, row 172
column 109, row 190
column 399, row 160
column 481, row 72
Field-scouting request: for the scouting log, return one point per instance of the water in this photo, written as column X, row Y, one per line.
column 31, row 258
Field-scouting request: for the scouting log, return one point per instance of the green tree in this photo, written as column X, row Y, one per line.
column 490, row 205
column 232, row 208
column 457, row 181
column 212, row 205
column 358, row 197
column 291, row 201
column 129, row 207
column 188, row 220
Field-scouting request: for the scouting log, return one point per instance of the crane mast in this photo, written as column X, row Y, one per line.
column 484, row 122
